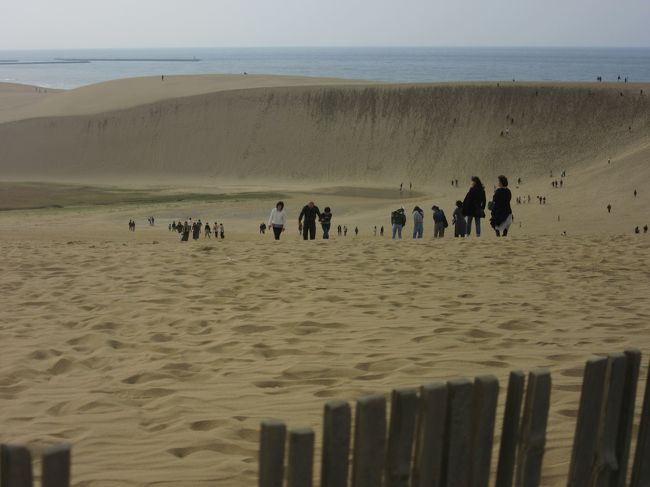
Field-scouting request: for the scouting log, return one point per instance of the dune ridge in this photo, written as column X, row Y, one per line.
column 322, row 130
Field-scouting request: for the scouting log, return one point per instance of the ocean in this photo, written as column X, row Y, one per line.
column 424, row 64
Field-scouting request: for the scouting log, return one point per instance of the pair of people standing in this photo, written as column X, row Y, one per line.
column 473, row 207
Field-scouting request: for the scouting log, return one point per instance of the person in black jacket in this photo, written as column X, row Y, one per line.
column 474, row 205
column 501, row 210
column 307, row 220
column 326, row 222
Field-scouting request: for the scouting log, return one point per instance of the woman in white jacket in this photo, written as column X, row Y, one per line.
column 278, row 219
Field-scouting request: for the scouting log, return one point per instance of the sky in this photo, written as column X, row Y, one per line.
column 40, row 24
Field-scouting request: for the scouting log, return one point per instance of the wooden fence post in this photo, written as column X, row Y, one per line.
column 272, row 441
column 369, row 442
column 456, row 455
column 606, row 465
column 533, row 429
column 486, row 394
column 430, row 436
column 641, row 469
column 632, row 365
column 301, row 458
column 336, row 444
column 15, row 466
column 403, row 414
column 510, row 432
column 56, row 466
column 586, row 435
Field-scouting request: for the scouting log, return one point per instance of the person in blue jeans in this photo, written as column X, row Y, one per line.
column 418, row 222
column 326, row 222
column 474, row 205
column 398, row 220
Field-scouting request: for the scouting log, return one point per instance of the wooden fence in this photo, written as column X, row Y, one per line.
column 440, row 435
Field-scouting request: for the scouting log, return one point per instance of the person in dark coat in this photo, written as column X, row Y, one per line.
column 501, row 210
column 474, row 205
column 307, row 220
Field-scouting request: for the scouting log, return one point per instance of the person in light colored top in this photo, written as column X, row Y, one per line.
column 278, row 220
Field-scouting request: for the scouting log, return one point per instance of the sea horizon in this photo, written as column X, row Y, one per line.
column 400, row 64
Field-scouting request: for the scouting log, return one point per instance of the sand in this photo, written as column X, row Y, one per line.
column 157, row 360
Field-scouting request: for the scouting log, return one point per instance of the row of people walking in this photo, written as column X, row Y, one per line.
column 467, row 213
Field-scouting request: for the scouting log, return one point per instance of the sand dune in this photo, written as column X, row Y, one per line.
column 157, row 360
column 310, row 129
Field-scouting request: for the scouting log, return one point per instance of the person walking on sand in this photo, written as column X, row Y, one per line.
column 207, row 231
column 474, row 205
column 609, row 208
column 307, row 220
column 501, row 210
column 418, row 222
column 439, row 222
column 339, row 230
column 398, row 220
column 277, row 220
column 381, row 231
column 326, row 222
column 262, row 228
column 458, row 220
column 221, row 231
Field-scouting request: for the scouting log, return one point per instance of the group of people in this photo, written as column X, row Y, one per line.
column 195, row 228
column 468, row 212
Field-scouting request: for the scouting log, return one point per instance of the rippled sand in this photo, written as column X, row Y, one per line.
column 157, row 360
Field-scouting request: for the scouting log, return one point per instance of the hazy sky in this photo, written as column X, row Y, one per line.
column 217, row 23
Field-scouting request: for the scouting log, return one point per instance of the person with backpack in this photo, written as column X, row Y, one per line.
column 398, row 220
column 474, row 205
column 307, row 220
column 418, row 222
column 439, row 222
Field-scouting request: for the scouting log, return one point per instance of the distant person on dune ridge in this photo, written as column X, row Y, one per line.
column 277, row 220
column 307, row 220
column 326, row 222
column 501, row 210
column 418, row 222
column 474, row 205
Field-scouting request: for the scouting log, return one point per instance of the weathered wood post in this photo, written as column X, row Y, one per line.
column 533, row 429
column 336, row 444
column 15, row 466
column 301, row 458
column 641, row 468
column 456, row 455
column 271, row 462
column 585, row 440
column 632, row 365
column 56, row 466
column 369, row 442
column 486, row 394
column 605, row 469
column 403, row 416
column 510, row 431
column 430, row 436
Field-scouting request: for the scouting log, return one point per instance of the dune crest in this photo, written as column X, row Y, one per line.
column 325, row 130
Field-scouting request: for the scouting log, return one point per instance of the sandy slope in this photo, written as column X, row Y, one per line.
column 157, row 360
column 318, row 130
